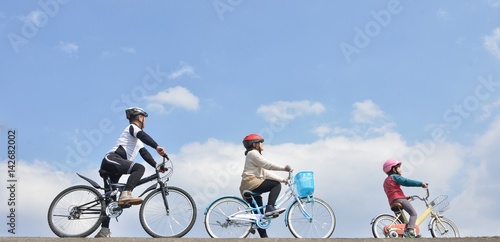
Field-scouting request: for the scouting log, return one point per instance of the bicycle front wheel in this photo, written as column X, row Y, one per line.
column 379, row 224
column 76, row 212
column 176, row 222
column 320, row 225
column 443, row 228
column 220, row 224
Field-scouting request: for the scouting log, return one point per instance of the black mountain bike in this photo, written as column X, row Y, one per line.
column 165, row 212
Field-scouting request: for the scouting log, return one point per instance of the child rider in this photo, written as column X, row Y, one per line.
column 392, row 188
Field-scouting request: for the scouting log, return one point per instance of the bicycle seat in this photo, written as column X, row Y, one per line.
column 105, row 174
column 396, row 207
column 250, row 194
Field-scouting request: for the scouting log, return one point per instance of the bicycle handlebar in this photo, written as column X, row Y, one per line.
column 421, row 198
column 165, row 159
column 161, row 166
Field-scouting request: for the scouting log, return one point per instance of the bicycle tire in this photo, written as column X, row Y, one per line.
column 217, row 223
column 321, row 225
column 67, row 220
column 449, row 230
column 379, row 224
column 157, row 223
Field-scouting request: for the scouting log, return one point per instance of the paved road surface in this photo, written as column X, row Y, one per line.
column 34, row 239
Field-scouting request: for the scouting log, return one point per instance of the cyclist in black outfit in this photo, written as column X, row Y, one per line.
column 119, row 160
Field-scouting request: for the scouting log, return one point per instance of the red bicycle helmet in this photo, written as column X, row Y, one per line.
column 250, row 139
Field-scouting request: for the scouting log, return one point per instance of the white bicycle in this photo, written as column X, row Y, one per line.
column 306, row 216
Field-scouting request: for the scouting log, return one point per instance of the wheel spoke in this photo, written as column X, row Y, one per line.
column 179, row 221
column 321, row 225
column 218, row 223
column 75, row 212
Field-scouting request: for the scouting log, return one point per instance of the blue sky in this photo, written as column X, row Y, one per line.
column 336, row 87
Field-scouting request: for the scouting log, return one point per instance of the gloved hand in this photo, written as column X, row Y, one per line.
column 288, row 168
column 161, row 168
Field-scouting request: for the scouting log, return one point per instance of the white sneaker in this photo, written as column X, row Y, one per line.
column 126, row 197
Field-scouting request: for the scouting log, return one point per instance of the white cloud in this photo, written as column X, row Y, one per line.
column 38, row 178
column 494, row 3
column 492, row 42
column 175, row 97
column 367, row 112
column 478, row 181
column 128, row 50
column 322, row 130
column 182, row 71
column 107, row 54
column 69, row 48
column 443, row 14
column 284, row 111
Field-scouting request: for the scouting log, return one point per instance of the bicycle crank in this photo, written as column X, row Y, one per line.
column 113, row 210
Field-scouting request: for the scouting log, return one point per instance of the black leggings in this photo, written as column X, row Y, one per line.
column 118, row 166
column 274, row 189
column 271, row 186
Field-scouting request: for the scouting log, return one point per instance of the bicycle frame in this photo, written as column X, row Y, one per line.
column 282, row 199
column 399, row 228
column 305, row 216
column 119, row 187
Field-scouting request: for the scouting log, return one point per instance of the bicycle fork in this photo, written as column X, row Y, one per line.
column 443, row 229
column 302, row 205
column 164, row 194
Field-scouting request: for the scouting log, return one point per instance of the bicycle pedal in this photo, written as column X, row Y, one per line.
column 130, row 203
column 272, row 216
column 125, row 205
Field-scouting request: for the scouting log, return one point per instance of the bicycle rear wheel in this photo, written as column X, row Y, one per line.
column 444, row 228
column 379, row 224
column 76, row 212
column 321, row 224
column 177, row 223
column 218, row 222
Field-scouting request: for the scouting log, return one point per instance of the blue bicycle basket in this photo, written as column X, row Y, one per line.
column 304, row 183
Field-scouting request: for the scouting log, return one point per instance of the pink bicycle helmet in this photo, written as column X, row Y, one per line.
column 388, row 164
